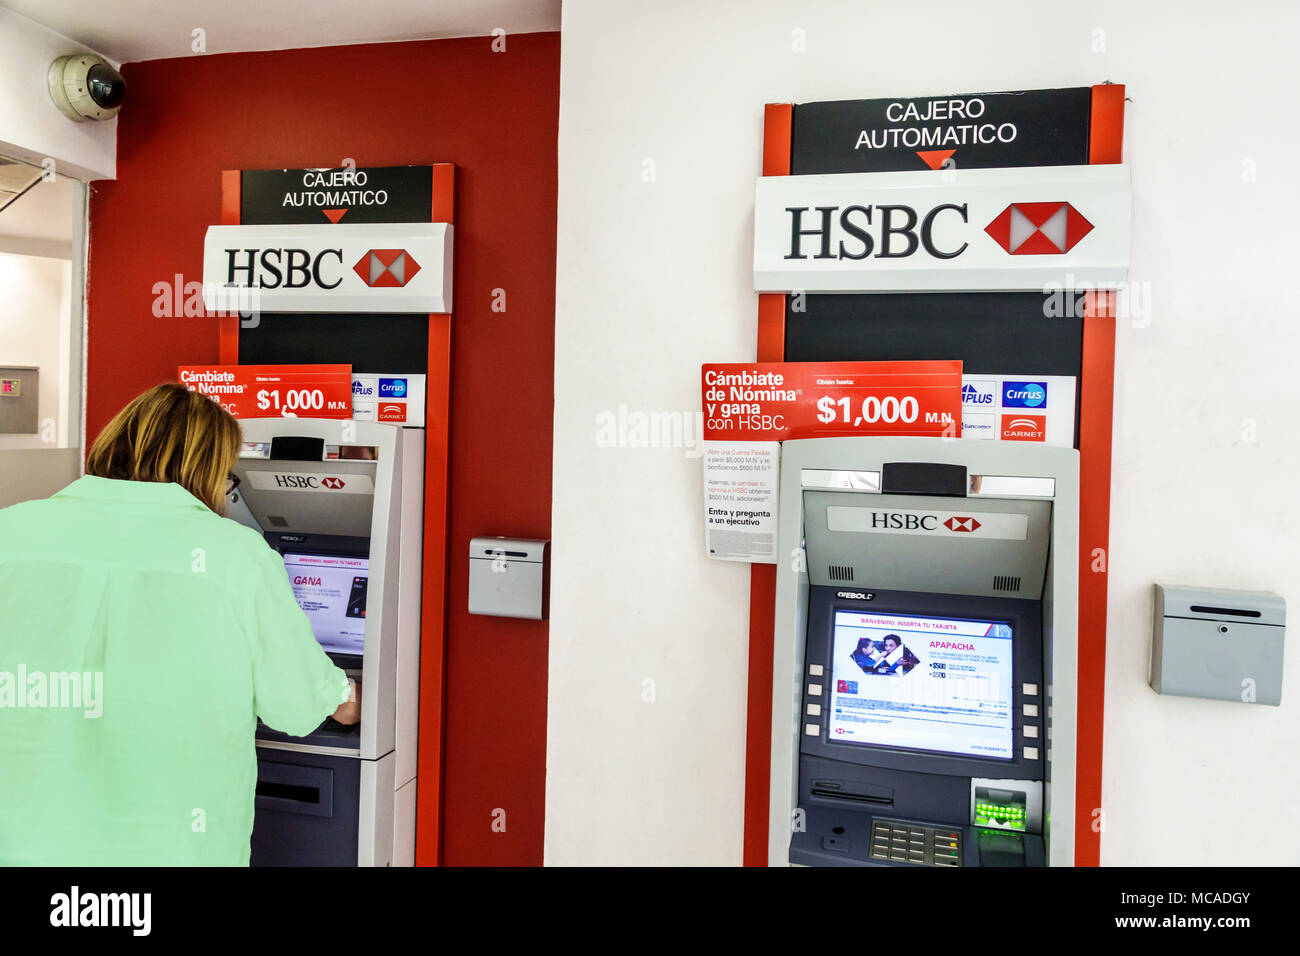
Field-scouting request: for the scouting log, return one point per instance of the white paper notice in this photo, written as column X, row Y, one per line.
column 740, row 500
column 1038, row 408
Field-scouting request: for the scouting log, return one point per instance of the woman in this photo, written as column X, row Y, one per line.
column 141, row 636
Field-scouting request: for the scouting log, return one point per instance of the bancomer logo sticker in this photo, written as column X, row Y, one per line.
column 1007, row 526
column 308, row 481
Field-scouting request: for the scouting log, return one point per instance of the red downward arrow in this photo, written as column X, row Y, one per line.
column 934, row 158
column 334, row 215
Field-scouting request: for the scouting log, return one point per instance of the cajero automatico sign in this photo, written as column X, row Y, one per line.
column 343, row 267
column 950, row 230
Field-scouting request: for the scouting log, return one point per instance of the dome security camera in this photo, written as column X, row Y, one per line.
column 85, row 87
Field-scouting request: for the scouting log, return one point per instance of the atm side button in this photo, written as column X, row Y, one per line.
column 814, row 690
column 812, row 730
column 815, row 670
column 1031, row 730
column 814, row 710
column 1031, row 753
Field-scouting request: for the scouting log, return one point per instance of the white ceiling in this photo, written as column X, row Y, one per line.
column 130, row 30
column 41, row 221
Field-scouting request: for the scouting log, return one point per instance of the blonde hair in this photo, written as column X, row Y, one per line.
column 170, row 434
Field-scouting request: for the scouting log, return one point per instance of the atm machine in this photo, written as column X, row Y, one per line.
column 342, row 503
column 924, row 682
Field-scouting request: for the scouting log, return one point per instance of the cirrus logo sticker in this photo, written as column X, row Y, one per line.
column 1024, row 395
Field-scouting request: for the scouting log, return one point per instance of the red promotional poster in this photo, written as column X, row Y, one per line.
column 773, row 401
column 274, row 391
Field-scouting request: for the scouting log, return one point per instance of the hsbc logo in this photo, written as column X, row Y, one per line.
column 307, row 482
column 981, row 230
column 326, row 267
column 881, row 232
column 284, row 268
column 962, row 524
column 386, row 268
column 1038, row 228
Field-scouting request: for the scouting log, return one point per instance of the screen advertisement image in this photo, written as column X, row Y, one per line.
column 331, row 590
column 922, row 683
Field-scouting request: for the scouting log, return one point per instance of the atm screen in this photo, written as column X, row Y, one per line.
column 923, row 683
column 331, row 590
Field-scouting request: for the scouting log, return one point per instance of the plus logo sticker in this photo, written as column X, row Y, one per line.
column 332, row 482
column 961, row 524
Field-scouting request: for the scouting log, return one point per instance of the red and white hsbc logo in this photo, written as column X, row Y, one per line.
column 328, row 267
column 301, row 481
column 963, row 230
column 1024, row 428
column 949, row 524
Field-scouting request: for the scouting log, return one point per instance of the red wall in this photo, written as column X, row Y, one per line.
column 495, row 116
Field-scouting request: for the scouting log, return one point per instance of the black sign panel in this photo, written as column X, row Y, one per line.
column 966, row 130
column 375, row 194
column 371, row 343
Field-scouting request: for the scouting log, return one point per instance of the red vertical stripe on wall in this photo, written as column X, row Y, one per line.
column 231, row 214
column 1096, row 415
column 1096, row 408
column 762, row 577
column 437, row 512
column 1106, row 129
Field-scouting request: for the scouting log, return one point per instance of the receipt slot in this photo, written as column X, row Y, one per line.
column 924, row 680
column 342, row 503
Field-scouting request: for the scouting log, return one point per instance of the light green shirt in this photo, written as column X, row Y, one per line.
column 141, row 635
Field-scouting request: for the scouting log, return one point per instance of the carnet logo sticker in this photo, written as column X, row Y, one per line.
column 1024, row 394
column 1024, row 428
column 392, row 412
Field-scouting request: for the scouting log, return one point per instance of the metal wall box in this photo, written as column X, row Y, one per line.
column 1218, row 643
column 509, row 577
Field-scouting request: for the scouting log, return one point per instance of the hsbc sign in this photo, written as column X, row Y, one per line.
column 1007, row 526
column 328, row 267
column 310, row 481
column 946, row 230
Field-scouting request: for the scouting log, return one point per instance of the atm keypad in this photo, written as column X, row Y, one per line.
column 915, row 843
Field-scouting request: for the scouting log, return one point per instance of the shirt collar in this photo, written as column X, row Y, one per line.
column 144, row 492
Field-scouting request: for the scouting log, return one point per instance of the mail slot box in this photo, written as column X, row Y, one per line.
column 1218, row 643
column 509, row 577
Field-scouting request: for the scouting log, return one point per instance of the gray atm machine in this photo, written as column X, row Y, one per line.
column 342, row 502
column 924, row 678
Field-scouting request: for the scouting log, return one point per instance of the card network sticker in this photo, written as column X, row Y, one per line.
column 1024, row 394
column 1024, row 427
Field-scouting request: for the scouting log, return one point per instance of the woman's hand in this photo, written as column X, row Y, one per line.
column 349, row 712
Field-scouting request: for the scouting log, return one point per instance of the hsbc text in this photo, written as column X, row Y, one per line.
column 276, row 268
column 896, row 227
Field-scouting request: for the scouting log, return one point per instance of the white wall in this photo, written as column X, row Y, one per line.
column 653, row 279
column 31, row 127
column 34, row 330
